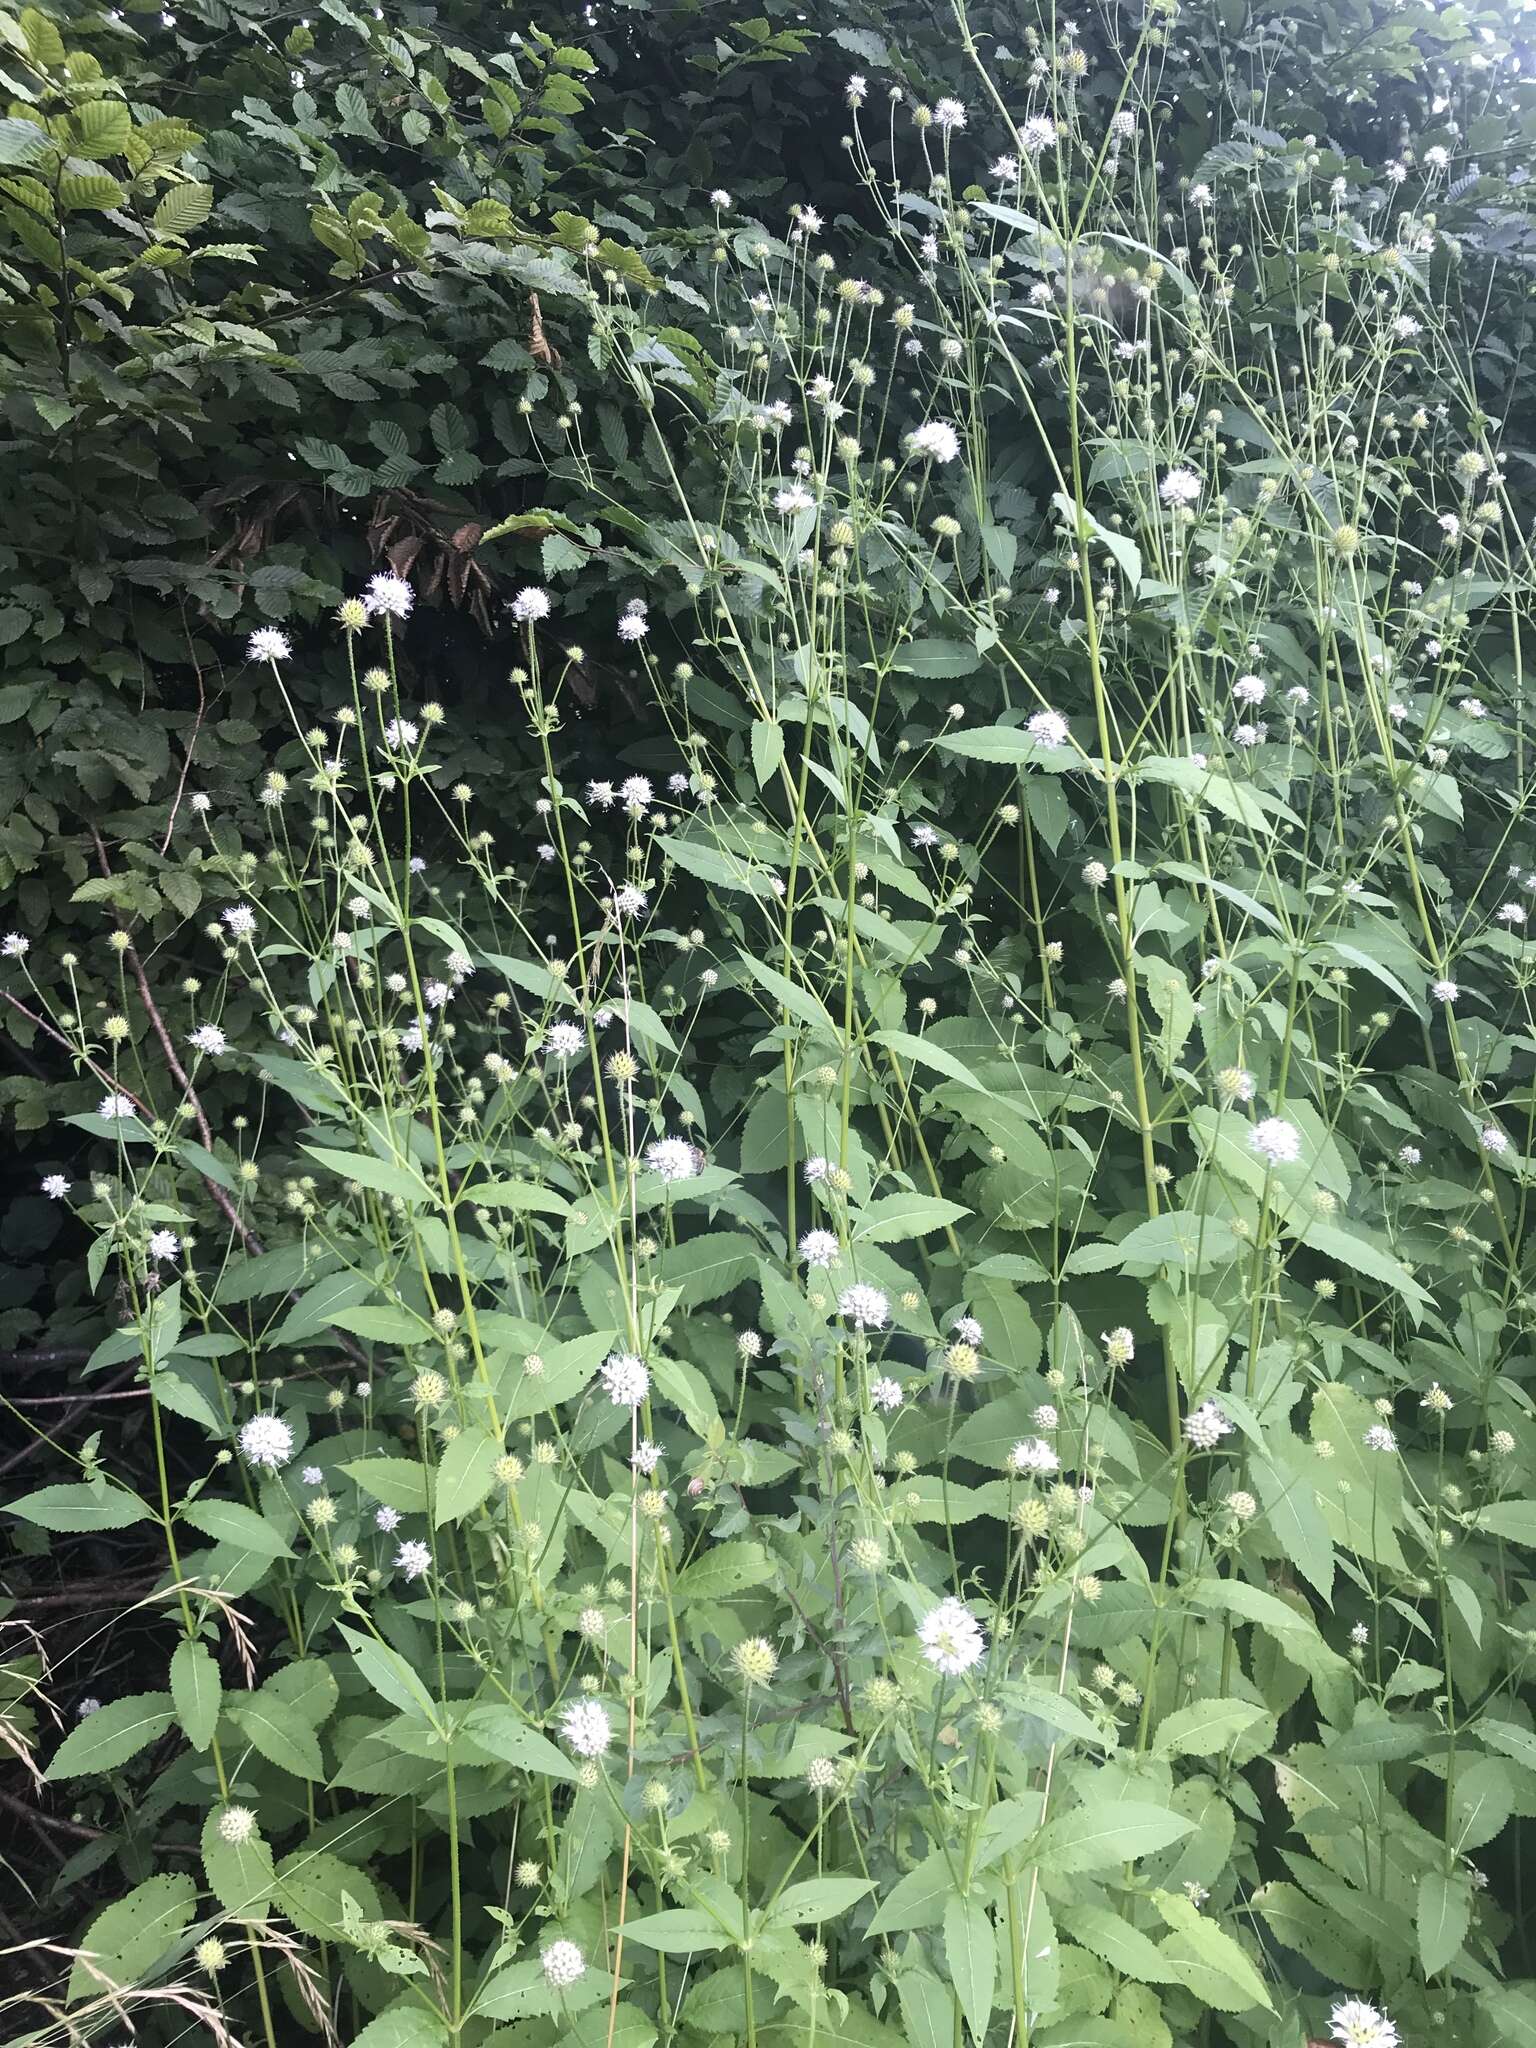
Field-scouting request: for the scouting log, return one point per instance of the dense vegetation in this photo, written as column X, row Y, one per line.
column 768, row 1024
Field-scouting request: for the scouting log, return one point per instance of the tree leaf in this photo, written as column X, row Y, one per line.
column 1443, row 1915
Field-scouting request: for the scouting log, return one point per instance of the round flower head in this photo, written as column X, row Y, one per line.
column 629, row 901
column 236, row 1824
column 1492, row 1139
column 936, row 440
column 1038, row 133
column 1180, row 487
column 672, row 1159
column 1379, row 1438
column 563, row 1965
column 867, row 1308
column 389, row 597
column 885, row 1393
column 1354, row 2024
column 414, row 1559
column 952, row 1638
column 1206, row 1426
column 266, row 1441
column 564, row 1040
column 267, row 644
column 585, row 1728
column 115, row 1106
column 819, row 1248
column 1276, row 1141
column 1444, row 991
column 1034, row 1455
column 209, row 1039
column 949, row 113
column 625, row 1380
column 55, row 1186
column 530, row 604
column 1048, row 729
column 755, row 1661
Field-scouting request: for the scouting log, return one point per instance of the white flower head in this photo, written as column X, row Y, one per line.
column 1048, row 729
column 531, row 604
column 563, row 1965
column 1276, row 1141
column 1180, row 487
column 208, row 1038
column 389, row 597
column 55, row 1186
column 1354, row 2024
column 819, row 1248
column 585, row 1728
column 949, row 113
column 673, row 1159
column 952, row 1638
column 266, row 1441
column 267, row 644
column 1034, row 1454
column 563, row 1040
column 1206, row 1426
column 885, row 1393
column 625, row 1380
column 414, row 1559
column 867, row 1308
column 936, row 440
column 1492, row 1139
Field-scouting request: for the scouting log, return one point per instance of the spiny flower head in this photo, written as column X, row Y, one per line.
column 867, row 1308
column 266, row 1441
column 952, row 1638
column 625, row 1380
column 585, row 1728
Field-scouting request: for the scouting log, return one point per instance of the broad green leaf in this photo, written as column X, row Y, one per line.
column 895, row 1218
column 80, row 1506
column 767, row 750
column 1514, row 1520
column 970, row 1950
column 381, row 1324
column 112, row 1734
column 239, row 1872
column 1124, row 1947
column 465, row 1474
column 678, row 1931
column 230, row 1521
column 278, row 1732
column 816, row 1899
column 1205, row 1728
column 196, row 1690
column 504, row 1733
column 708, row 1266
column 563, row 1371
column 404, row 2026
column 1207, row 1959
column 399, row 1483
column 124, row 1942
column 312, row 1886
column 391, row 1677
column 1444, row 1913
column 383, row 1176
column 723, row 1569
column 1103, row 1832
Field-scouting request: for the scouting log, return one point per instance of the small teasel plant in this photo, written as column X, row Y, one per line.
column 873, row 1388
